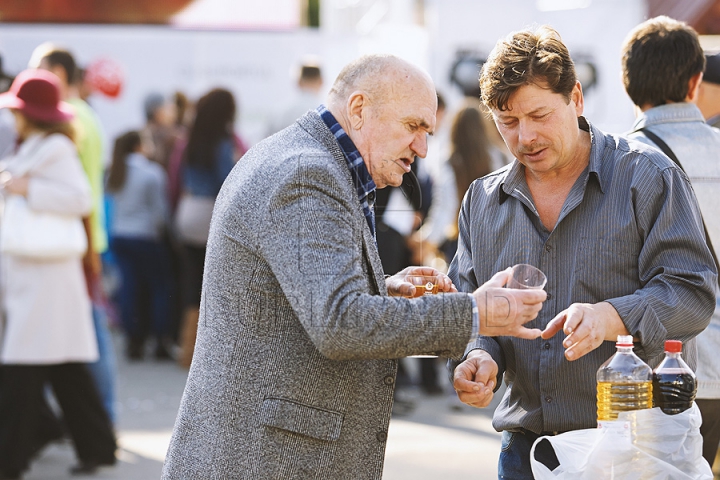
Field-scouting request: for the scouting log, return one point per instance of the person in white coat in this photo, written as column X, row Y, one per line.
column 48, row 335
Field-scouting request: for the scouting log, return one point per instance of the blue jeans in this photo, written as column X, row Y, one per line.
column 514, row 463
column 144, row 268
column 103, row 371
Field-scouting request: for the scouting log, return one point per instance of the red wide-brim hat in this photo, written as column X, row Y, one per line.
column 36, row 93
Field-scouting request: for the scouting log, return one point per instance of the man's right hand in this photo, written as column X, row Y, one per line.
column 475, row 378
column 504, row 311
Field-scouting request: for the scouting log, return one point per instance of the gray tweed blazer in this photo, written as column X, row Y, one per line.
column 294, row 366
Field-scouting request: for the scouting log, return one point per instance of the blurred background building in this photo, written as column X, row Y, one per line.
column 251, row 47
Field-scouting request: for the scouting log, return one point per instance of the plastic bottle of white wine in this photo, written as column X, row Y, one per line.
column 624, row 382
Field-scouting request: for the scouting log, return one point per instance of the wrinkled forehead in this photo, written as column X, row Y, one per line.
column 419, row 112
column 422, row 85
column 529, row 98
column 414, row 93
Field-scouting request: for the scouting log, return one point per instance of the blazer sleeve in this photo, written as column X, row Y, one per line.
column 313, row 243
column 462, row 273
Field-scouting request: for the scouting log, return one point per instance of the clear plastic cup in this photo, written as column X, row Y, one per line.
column 526, row 276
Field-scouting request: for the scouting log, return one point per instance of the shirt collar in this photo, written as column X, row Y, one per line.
column 597, row 151
column 358, row 170
column 515, row 174
column 669, row 113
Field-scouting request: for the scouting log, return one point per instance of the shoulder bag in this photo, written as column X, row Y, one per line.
column 40, row 235
column 192, row 219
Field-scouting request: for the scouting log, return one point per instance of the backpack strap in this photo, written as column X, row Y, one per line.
column 668, row 151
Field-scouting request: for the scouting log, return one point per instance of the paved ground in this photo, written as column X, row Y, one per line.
column 432, row 442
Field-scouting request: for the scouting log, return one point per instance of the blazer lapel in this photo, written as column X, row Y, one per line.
column 377, row 274
column 313, row 124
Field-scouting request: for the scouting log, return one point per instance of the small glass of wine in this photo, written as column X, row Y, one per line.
column 424, row 284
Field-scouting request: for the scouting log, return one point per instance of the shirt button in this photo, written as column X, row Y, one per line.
column 548, row 399
column 549, row 296
column 547, row 347
column 381, row 436
column 548, row 247
column 389, row 380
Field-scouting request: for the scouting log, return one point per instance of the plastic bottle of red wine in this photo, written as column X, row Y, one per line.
column 674, row 384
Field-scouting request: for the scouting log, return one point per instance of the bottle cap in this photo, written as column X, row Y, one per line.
column 624, row 341
column 673, row 346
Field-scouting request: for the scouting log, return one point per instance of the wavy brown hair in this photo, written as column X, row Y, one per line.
column 524, row 58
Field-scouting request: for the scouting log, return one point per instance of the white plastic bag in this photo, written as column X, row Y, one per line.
column 643, row 444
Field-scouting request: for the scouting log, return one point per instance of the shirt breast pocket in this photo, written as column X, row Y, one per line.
column 605, row 267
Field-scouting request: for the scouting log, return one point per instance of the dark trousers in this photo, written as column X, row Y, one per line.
column 193, row 266
column 176, row 305
column 514, row 463
column 429, row 375
column 21, row 407
column 710, row 428
column 144, row 267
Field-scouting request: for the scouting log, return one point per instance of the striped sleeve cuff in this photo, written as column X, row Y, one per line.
column 476, row 320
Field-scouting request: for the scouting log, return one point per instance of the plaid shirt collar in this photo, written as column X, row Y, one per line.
column 364, row 184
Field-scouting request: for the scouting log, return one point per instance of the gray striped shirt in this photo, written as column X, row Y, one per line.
column 629, row 233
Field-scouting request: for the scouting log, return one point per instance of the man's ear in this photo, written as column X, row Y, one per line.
column 577, row 96
column 357, row 110
column 694, row 87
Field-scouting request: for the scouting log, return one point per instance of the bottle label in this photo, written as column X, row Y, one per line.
column 615, row 428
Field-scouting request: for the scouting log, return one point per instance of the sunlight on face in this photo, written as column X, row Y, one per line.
column 396, row 131
column 540, row 127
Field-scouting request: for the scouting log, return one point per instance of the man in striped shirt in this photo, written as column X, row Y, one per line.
column 613, row 223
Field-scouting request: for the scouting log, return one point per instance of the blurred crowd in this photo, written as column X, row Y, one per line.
column 146, row 214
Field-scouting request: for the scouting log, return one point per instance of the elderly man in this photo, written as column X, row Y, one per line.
column 613, row 223
column 294, row 367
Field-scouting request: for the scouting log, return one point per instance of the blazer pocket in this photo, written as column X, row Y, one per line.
column 302, row 419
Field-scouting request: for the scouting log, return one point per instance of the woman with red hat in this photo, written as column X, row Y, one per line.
column 48, row 333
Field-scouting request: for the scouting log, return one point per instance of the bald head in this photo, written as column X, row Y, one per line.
column 380, row 77
column 387, row 107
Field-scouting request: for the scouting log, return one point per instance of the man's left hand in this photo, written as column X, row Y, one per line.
column 399, row 286
column 586, row 326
